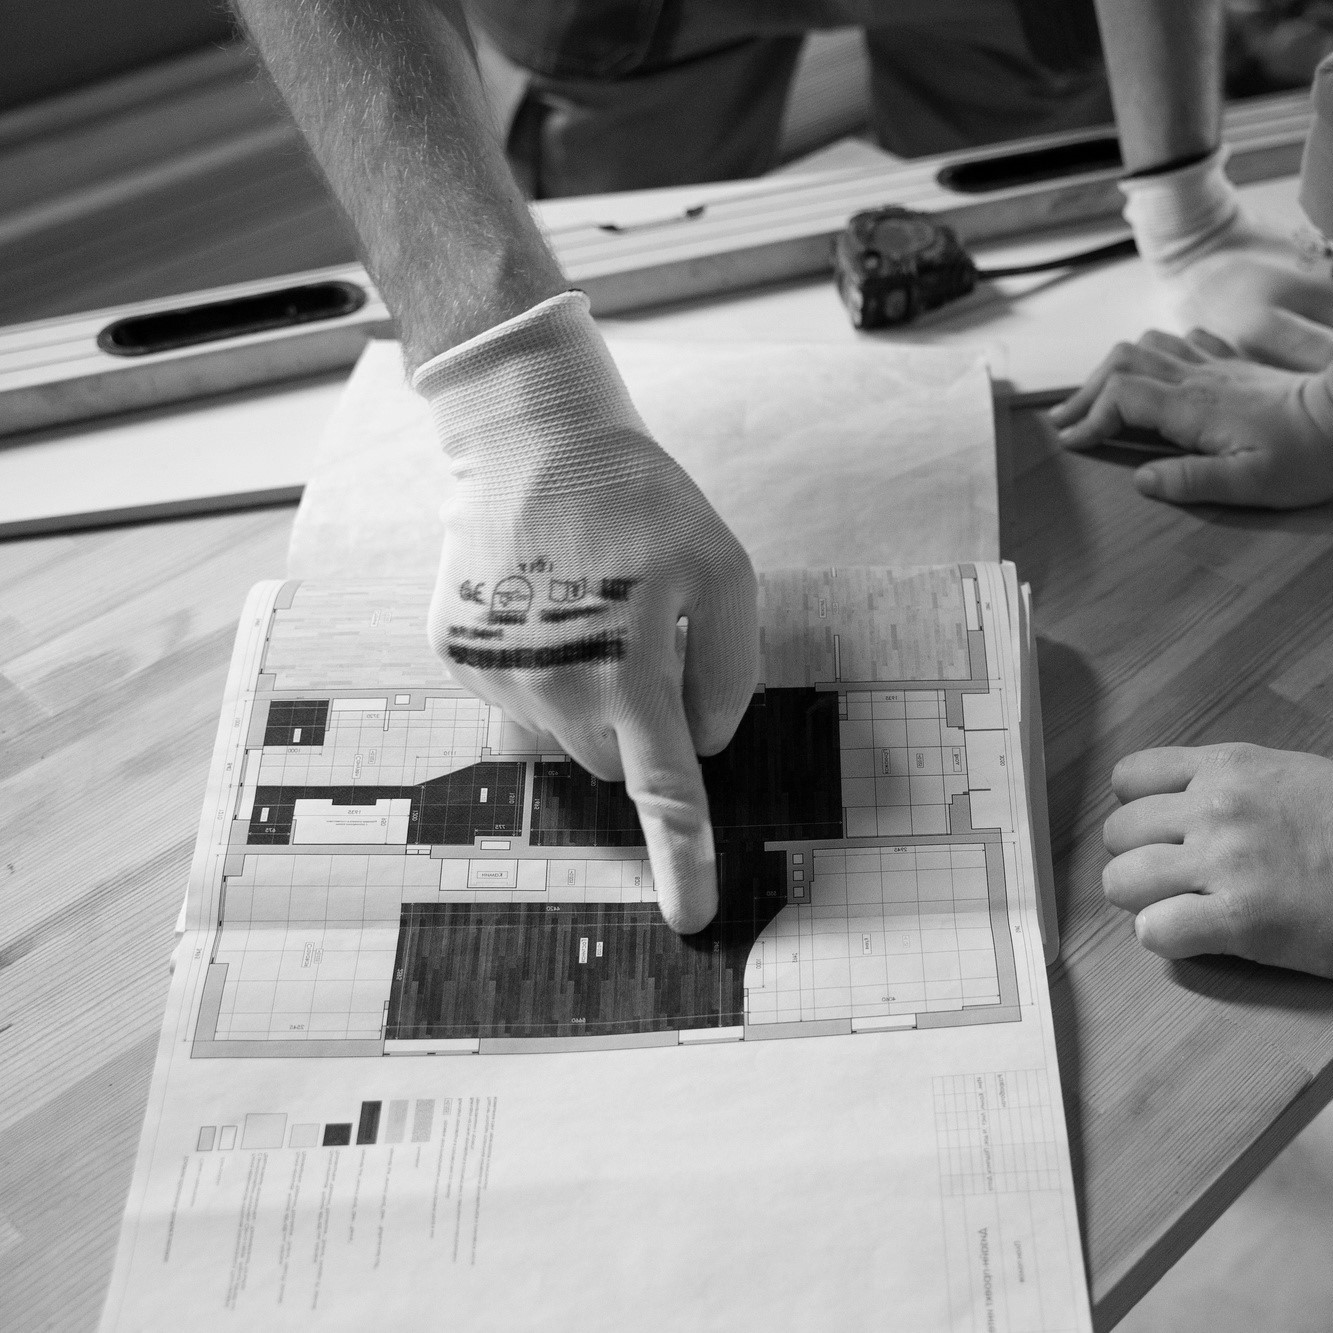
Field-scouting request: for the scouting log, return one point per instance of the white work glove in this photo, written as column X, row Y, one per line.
column 573, row 546
column 1267, row 293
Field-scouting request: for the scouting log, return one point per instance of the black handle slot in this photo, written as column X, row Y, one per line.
column 142, row 335
column 984, row 174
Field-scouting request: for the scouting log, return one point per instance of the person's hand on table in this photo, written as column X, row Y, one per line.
column 574, row 545
column 1268, row 293
column 1225, row 849
column 1259, row 436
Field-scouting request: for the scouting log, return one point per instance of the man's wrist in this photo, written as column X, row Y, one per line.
column 1175, row 164
column 430, row 327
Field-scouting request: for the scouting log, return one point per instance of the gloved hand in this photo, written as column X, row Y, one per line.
column 1269, row 294
column 574, row 544
column 1260, row 436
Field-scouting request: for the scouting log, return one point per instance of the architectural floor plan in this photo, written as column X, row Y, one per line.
column 430, row 1046
column 407, row 871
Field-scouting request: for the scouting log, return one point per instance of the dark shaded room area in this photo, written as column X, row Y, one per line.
column 572, row 969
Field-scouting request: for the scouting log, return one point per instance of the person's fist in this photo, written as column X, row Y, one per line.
column 1256, row 435
column 1225, row 849
column 574, row 545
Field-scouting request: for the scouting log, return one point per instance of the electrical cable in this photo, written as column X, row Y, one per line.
column 1121, row 249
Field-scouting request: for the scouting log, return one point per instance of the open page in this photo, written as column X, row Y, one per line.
column 431, row 1050
column 904, row 438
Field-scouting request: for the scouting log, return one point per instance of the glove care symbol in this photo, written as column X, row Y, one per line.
column 617, row 590
column 568, row 590
column 510, row 600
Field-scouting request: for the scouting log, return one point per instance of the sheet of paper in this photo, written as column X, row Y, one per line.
column 858, row 455
column 430, row 1048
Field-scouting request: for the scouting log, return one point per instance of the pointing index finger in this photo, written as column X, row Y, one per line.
column 663, row 778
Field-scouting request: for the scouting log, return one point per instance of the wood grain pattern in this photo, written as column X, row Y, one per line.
column 1155, row 625
column 113, row 654
column 1160, row 626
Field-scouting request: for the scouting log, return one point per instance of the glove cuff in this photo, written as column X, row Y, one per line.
column 539, row 384
column 1177, row 216
column 1316, row 196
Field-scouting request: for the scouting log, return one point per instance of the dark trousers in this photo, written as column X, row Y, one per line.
column 628, row 94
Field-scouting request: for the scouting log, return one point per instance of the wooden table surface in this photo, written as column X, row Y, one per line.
column 1155, row 625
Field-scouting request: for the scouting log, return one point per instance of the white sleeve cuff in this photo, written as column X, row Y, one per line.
column 573, row 305
column 1177, row 216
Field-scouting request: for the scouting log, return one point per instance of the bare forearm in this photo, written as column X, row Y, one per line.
column 1165, row 62
column 387, row 93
